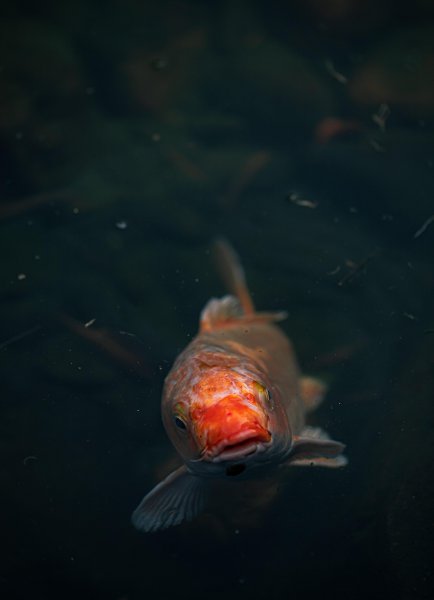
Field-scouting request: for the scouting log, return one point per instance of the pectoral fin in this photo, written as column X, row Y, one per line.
column 312, row 391
column 314, row 448
column 179, row 497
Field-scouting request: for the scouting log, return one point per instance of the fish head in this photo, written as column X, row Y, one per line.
column 221, row 422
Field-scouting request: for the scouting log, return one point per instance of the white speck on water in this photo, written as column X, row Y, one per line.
column 381, row 116
column 237, row 531
column 295, row 198
column 376, row 145
column 335, row 271
column 121, row 224
column 330, row 68
column 75, row 210
column 155, row 137
column 21, row 276
column 90, row 91
column 409, row 316
column 196, row 280
column 89, row 323
column 37, row 257
column 424, row 227
column 19, row 135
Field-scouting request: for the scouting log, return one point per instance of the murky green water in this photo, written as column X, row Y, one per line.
column 130, row 137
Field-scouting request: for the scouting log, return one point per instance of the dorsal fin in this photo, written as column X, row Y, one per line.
column 218, row 311
column 232, row 274
column 221, row 312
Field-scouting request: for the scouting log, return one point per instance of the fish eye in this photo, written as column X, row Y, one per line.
column 179, row 423
column 265, row 395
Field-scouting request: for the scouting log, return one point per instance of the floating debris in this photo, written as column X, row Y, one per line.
column 104, row 340
column 19, row 336
column 381, row 116
column 122, row 332
column 296, row 199
column 28, row 458
column 409, row 316
column 424, row 227
column 121, row 224
column 330, row 68
column 376, row 145
column 335, row 271
column 356, row 268
column 89, row 323
column 21, row 276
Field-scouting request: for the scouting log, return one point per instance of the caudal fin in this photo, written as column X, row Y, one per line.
column 232, row 274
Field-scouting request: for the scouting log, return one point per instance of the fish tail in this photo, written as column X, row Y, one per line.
column 232, row 274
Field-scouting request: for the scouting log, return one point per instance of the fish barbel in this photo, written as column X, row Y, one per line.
column 234, row 405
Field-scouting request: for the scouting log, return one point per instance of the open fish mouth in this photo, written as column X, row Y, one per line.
column 239, row 447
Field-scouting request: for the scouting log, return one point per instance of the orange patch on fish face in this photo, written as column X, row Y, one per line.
column 230, row 421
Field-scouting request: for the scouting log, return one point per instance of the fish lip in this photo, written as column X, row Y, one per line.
column 239, row 447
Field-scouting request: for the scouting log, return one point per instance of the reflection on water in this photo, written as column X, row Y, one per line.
column 130, row 138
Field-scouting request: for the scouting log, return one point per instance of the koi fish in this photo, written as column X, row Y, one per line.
column 234, row 405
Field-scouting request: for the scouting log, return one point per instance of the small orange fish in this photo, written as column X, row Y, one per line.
column 234, row 405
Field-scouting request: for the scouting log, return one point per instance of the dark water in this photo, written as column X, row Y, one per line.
column 131, row 134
